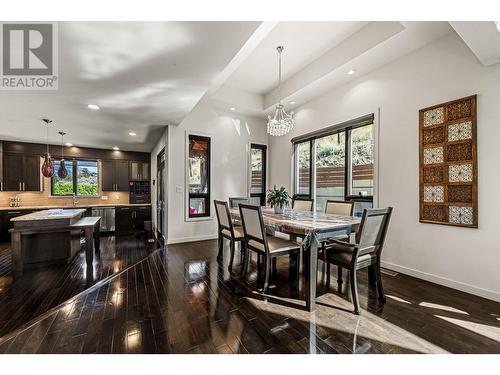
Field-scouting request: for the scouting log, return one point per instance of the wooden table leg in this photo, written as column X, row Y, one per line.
column 310, row 272
column 97, row 238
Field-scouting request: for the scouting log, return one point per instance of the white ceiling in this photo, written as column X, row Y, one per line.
column 304, row 42
column 143, row 75
column 483, row 38
column 317, row 57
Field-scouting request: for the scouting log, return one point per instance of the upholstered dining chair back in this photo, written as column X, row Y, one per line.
column 373, row 229
column 252, row 222
column 302, row 204
column 339, row 208
column 234, row 202
column 223, row 215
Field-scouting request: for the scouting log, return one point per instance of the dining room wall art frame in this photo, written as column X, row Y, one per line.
column 448, row 163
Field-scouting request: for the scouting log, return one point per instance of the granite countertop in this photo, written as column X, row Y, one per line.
column 51, row 215
column 6, row 208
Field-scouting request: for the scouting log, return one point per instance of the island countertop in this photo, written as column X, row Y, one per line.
column 50, row 215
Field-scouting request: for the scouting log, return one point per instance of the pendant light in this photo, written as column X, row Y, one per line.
column 48, row 164
column 62, row 172
column 282, row 122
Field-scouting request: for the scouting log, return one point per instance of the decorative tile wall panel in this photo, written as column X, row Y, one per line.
column 459, row 132
column 434, row 116
column 448, row 163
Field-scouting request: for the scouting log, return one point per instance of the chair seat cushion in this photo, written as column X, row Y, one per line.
column 238, row 233
column 340, row 254
column 275, row 245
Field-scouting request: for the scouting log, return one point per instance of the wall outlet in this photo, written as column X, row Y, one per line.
column 104, row 197
column 117, row 197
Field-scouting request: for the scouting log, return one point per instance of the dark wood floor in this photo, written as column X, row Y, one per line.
column 181, row 300
column 39, row 290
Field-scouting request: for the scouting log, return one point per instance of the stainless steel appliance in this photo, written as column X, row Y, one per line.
column 107, row 215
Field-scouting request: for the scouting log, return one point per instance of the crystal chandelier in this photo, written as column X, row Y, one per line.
column 282, row 122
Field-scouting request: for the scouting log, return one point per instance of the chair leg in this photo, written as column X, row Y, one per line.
column 274, row 267
column 220, row 239
column 339, row 277
column 354, row 290
column 266, row 277
column 328, row 274
column 231, row 259
column 371, row 275
column 380, row 287
column 246, row 261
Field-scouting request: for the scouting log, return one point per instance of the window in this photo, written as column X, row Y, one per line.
column 343, row 163
column 258, row 160
column 303, row 168
column 330, row 169
column 85, row 182
column 198, row 176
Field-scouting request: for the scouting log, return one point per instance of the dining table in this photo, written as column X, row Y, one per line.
column 314, row 228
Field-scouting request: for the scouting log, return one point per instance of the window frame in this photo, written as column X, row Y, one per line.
column 207, row 215
column 74, row 166
column 261, row 195
column 332, row 130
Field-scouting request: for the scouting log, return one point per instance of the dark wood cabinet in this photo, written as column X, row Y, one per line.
column 6, row 224
column 139, row 171
column 130, row 220
column 115, row 175
column 124, row 220
column 21, row 172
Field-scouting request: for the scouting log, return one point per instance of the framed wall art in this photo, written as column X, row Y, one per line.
column 448, row 163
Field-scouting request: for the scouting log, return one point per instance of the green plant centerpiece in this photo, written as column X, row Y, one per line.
column 278, row 198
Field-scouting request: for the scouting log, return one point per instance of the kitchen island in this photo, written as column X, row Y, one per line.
column 45, row 237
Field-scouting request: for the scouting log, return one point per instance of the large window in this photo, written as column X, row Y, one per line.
column 198, row 176
column 343, row 163
column 85, row 182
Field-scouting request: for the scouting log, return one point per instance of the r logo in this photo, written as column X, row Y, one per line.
column 27, row 49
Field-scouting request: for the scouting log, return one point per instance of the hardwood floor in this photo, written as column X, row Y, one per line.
column 181, row 300
column 39, row 290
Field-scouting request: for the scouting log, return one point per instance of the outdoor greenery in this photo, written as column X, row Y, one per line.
column 330, row 150
column 279, row 197
column 86, row 184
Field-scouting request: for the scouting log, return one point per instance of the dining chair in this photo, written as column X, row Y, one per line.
column 235, row 201
column 359, row 205
column 366, row 252
column 339, row 207
column 302, row 203
column 227, row 230
column 336, row 208
column 256, row 239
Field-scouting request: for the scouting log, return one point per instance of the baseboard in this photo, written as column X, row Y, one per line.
column 172, row 241
column 485, row 293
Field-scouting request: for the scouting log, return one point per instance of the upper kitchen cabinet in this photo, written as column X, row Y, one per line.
column 139, row 171
column 21, row 172
column 115, row 175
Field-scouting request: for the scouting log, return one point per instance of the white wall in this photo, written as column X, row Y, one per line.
column 162, row 143
column 231, row 134
column 463, row 258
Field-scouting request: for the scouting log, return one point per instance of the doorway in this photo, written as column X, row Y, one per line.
column 160, row 194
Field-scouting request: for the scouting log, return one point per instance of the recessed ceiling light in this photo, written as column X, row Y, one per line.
column 116, row 148
column 132, row 134
column 351, row 72
column 232, row 109
column 69, row 144
column 95, row 107
column 292, row 102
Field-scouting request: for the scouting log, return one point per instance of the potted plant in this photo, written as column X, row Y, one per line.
column 278, row 198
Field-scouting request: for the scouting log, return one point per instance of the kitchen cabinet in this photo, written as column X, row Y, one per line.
column 130, row 220
column 139, row 171
column 6, row 224
column 21, row 172
column 115, row 175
